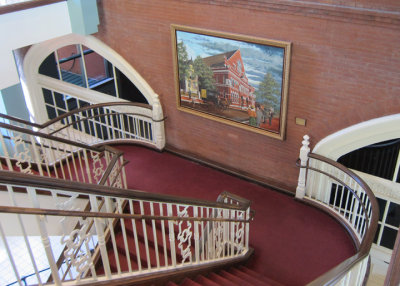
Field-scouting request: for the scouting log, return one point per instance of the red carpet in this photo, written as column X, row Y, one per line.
column 293, row 243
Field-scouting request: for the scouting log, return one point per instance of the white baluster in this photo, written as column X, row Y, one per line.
column 135, row 237
column 153, row 225
column 123, row 229
column 163, row 235
column 171, row 235
column 101, row 237
column 196, row 235
column 109, row 209
column 45, row 237
column 28, row 247
column 146, row 242
column 10, row 257
column 304, row 150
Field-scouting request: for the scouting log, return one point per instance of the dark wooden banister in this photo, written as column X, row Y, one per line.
column 19, row 179
column 77, row 110
column 336, row 273
column 84, row 214
column 50, row 137
column 15, row 7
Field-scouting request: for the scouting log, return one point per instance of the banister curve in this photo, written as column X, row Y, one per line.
column 334, row 275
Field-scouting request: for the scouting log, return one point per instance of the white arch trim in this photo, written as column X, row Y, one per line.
column 38, row 53
column 358, row 136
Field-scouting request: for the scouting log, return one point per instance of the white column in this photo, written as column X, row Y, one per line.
column 304, row 150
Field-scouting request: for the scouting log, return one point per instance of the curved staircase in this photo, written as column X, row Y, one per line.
column 148, row 238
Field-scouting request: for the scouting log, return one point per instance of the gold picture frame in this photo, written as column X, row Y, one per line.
column 234, row 79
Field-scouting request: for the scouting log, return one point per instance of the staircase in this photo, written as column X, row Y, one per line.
column 239, row 275
column 159, row 255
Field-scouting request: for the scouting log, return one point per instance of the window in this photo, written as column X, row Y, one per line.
column 381, row 160
column 81, row 66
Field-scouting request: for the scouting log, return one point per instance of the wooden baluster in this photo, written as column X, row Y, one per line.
column 304, row 150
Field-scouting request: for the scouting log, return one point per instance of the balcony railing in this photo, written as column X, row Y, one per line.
column 330, row 186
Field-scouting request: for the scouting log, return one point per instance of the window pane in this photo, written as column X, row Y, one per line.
column 382, row 205
column 95, row 66
column 127, row 90
column 377, row 233
column 49, row 67
column 59, row 100
column 70, row 61
column 378, row 159
column 388, row 237
column 393, row 215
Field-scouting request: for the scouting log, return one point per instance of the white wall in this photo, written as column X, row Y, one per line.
column 27, row 27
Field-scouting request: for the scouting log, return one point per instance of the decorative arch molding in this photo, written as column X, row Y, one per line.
column 38, row 53
column 358, row 136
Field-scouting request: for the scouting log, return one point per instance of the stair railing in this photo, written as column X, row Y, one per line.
column 333, row 188
column 154, row 233
column 32, row 152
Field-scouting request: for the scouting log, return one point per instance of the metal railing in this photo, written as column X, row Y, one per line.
column 138, row 233
column 330, row 186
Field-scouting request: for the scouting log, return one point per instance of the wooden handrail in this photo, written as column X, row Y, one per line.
column 93, row 106
column 9, row 8
column 101, row 115
column 77, row 110
column 110, row 167
column 84, row 214
column 50, row 137
column 20, row 179
column 336, row 273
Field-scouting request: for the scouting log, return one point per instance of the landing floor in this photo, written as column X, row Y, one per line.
column 293, row 243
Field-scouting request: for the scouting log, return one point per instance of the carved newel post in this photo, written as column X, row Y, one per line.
column 304, row 150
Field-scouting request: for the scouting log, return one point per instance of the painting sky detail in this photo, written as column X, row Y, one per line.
column 258, row 59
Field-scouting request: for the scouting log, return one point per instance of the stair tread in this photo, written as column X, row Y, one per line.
column 205, row 281
column 234, row 278
column 189, row 282
column 259, row 276
column 221, row 280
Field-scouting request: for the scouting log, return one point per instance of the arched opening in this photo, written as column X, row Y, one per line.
column 74, row 70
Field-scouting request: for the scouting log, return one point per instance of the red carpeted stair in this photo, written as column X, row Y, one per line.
column 240, row 276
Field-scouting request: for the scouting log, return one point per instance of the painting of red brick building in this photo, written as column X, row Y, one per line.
column 231, row 80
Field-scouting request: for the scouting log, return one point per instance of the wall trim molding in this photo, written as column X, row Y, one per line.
column 360, row 15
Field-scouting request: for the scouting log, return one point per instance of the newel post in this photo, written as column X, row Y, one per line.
column 304, row 150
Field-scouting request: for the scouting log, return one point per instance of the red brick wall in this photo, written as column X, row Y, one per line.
column 345, row 68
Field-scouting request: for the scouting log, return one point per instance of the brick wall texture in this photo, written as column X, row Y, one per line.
column 345, row 69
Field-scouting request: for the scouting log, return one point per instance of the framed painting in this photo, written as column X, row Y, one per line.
column 234, row 79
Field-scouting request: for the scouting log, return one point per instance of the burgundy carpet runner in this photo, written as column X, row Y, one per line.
column 293, row 243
